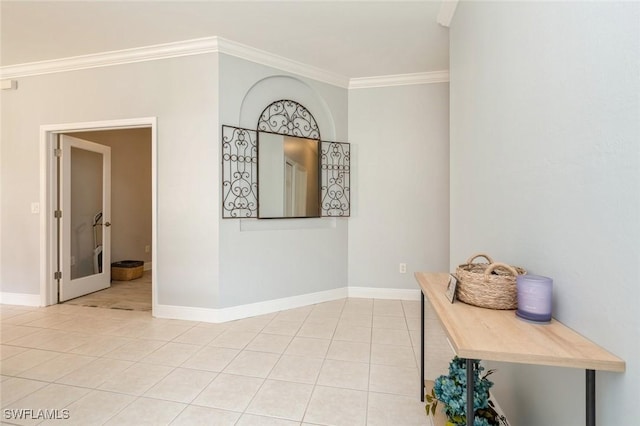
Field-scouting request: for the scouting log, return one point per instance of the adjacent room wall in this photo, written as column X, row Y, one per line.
column 182, row 94
column 130, row 190
column 400, row 184
column 279, row 258
column 545, row 174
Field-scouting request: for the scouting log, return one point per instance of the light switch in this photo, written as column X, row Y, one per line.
column 35, row 208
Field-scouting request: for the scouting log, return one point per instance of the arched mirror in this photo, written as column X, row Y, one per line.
column 283, row 169
column 288, row 162
column 288, row 176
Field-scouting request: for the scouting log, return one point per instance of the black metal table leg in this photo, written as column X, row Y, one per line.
column 421, row 346
column 470, row 387
column 591, row 397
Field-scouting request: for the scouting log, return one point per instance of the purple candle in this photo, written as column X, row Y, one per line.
column 534, row 297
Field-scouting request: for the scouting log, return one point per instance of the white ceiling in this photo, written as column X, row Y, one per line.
column 349, row 38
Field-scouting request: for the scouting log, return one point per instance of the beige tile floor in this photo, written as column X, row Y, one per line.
column 133, row 295
column 345, row 362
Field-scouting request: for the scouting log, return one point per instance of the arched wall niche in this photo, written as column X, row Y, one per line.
column 264, row 260
column 261, row 94
column 240, row 162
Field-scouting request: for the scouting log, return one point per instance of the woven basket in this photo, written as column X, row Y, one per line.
column 488, row 285
column 127, row 270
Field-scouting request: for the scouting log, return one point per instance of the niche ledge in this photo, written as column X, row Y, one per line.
column 250, row 225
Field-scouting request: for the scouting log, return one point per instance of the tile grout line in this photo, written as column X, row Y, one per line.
column 281, row 354
column 313, row 389
column 264, row 380
column 366, row 412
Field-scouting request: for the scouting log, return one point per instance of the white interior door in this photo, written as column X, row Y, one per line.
column 85, row 202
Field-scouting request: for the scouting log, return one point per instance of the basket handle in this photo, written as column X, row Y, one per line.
column 493, row 266
column 486, row 256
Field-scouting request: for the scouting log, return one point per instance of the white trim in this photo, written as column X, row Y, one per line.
column 48, row 290
column 216, row 45
column 446, row 12
column 173, row 50
column 47, row 240
column 497, row 407
column 186, row 313
column 116, row 57
column 400, row 80
column 154, row 212
column 384, row 293
column 125, row 123
column 21, row 299
column 217, row 315
column 269, row 59
column 249, row 310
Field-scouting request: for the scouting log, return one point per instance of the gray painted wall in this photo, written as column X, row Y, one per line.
column 545, row 174
column 400, row 181
column 277, row 258
column 183, row 94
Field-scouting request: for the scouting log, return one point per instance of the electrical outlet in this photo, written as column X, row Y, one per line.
column 403, row 268
column 147, row 249
column 73, row 260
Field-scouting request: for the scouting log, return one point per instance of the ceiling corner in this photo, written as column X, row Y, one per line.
column 447, row 10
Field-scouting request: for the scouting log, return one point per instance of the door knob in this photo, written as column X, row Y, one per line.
column 107, row 224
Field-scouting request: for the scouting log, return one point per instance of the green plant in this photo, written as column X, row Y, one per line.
column 451, row 390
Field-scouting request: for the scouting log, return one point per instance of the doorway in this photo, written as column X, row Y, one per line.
column 84, row 230
column 133, row 235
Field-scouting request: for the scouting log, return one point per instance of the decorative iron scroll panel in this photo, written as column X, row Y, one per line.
column 239, row 173
column 240, row 162
column 335, row 173
column 288, row 117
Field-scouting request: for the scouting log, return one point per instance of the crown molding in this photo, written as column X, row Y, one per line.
column 400, row 80
column 172, row 50
column 116, row 57
column 269, row 59
column 214, row 45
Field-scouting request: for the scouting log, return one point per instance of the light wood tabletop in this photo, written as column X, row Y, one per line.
column 498, row 335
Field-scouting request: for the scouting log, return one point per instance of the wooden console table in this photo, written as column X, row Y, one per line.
column 495, row 335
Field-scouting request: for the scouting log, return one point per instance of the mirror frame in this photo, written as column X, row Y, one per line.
column 239, row 155
column 318, row 164
column 290, row 118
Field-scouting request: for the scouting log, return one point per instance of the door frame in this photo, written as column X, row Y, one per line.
column 48, row 188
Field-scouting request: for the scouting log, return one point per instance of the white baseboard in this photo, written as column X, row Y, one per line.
column 497, row 407
column 186, row 313
column 384, row 293
column 217, row 315
column 147, row 266
column 250, row 310
column 21, row 299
